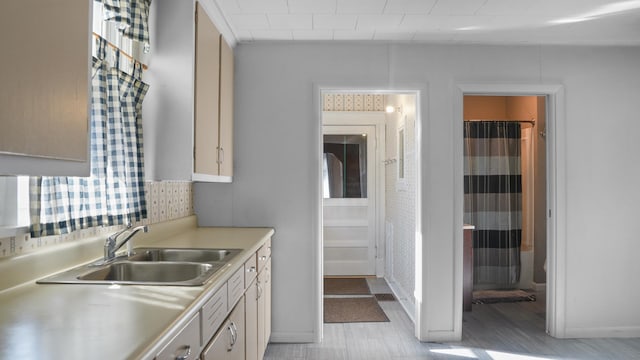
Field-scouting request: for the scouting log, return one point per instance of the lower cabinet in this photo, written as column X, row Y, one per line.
column 185, row 345
column 229, row 342
column 251, row 321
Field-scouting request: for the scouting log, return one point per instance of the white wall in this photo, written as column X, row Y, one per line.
column 277, row 139
column 400, row 201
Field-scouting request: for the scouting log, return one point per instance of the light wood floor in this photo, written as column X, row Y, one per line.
column 491, row 331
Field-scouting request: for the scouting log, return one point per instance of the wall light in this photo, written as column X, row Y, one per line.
column 390, row 108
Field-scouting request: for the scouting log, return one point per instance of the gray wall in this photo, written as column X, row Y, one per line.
column 275, row 181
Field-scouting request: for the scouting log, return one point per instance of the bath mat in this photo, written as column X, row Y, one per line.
column 348, row 310
column 385, row 297
column 346, row 286
column 501, row 296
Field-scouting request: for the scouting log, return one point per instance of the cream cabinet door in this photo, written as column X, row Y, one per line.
column 185, row 345
column 44, row 87
column 229, row 343
column 251, row 322
column 226, row 110
column 207, row 93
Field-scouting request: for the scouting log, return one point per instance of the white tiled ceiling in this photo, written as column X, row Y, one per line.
column 597, row 22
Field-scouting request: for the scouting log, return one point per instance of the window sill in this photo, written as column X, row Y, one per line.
column 9, row 231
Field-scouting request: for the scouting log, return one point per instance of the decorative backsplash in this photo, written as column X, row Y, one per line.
column 166, row 200
column 352, row 102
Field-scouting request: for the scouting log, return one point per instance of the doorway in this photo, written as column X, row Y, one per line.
column 554, row 134
column 374, row 237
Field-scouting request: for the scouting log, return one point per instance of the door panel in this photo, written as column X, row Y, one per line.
column 349, row 213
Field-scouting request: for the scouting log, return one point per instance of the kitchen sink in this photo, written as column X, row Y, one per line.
column 151, row 273
column 183, row 255
column 150, row 266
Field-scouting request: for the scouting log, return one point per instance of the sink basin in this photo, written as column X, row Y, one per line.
column 183, row 255
column 150, row 266
column 150, row 273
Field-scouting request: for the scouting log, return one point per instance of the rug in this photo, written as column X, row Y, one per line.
column 501, row 296
column 346, row 286
column 348, row 310
column 385, row 297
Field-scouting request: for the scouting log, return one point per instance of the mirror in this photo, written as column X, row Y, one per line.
column 344, row 170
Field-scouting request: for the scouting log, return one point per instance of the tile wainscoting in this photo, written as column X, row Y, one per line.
column 166, row 200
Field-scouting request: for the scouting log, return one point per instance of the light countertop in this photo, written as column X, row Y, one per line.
column 78, row 321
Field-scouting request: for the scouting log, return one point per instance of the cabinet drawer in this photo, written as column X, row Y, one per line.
column 214, row 312
column 264, row 253
column 250, row 269
column 235, row 287
column 186, row 342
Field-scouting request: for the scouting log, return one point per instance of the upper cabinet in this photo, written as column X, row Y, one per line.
column 190, row 101
column 44, row 87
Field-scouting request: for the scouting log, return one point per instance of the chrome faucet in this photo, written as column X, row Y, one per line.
column 111, row 245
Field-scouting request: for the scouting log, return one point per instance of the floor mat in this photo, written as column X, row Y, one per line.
column 347, row 310
column 385, row 297
column 500, row 296
column 346, row 286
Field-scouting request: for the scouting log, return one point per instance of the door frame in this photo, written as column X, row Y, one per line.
column 357, row 118
column 420, row 92
column 555, row 133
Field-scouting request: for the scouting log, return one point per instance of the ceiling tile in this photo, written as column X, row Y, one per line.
column 312, row 6
column 353, row 35
column 336, row 22
column 312, row 34
column 373, row 22
column 361, row 6
column 409, row 6
column 229, row 6
column 290, row 21
column 249, row 21
column 272, row 34
column 456, row 7
column 263, row 6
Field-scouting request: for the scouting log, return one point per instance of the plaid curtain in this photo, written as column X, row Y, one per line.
column 493, row 200
column 131, row 15
column 114, row 193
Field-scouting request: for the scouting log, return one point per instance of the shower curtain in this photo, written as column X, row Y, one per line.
column 493, row 201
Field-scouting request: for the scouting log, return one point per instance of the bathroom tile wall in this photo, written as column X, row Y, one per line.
column 166, row 200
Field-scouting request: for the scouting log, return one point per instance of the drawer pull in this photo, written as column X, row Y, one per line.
column 186, row 354
column 263, row 258
column 251, row 269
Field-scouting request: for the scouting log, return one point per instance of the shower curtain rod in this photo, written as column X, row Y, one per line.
column 533, row 123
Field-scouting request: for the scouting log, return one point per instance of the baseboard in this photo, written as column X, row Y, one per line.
column 539, row 286
column 603, row 332
column 404, row 299
column 292, row 337
column 441, row 336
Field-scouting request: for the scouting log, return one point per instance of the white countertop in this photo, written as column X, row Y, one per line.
column 77, row 321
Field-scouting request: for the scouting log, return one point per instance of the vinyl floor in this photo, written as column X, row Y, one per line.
column 491, row 331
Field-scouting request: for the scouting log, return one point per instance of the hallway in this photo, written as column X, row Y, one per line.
column 490, row 331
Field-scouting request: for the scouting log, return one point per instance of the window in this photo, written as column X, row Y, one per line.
column 14, row 208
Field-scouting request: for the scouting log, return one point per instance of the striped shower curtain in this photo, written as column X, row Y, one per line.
column 493, row 201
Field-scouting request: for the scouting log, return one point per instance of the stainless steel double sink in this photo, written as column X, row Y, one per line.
column 150, row 266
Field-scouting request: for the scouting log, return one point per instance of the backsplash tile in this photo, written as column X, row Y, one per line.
column 166, row 200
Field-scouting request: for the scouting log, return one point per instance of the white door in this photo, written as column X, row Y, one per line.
column 349, row 206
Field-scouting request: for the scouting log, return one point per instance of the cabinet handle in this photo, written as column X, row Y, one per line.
column 251, row 269
column 185, row 355
column 235, row 333
column 263, row 258
column 220, row 155
column 259, row 290
column 233, row 338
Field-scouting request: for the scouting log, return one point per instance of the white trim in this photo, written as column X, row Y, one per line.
column 556, row 194
column 603, row 332
column 346, row 222
column 293, row 337
column 406, row 300
column 211, row 178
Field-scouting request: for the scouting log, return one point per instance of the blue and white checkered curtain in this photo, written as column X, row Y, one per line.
column 114, row 193
column 132, row 17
